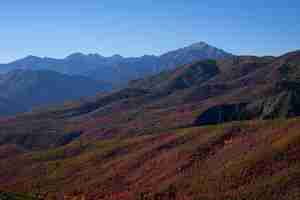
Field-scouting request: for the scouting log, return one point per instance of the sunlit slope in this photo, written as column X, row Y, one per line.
column 249, row 160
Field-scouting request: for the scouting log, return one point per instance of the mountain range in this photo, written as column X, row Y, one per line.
column 116, row 69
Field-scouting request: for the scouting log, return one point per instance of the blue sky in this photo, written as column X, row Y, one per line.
column 57, row 28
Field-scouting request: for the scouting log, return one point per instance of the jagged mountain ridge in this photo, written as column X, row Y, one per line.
column 117, row 69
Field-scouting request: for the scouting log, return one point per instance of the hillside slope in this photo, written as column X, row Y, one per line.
column 21, row 90
column 253, row 160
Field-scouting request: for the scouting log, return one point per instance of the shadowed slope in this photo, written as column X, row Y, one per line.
column 25, row 89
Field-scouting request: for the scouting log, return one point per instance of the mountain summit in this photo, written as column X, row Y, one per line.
column 199, row 44
column 195, row 52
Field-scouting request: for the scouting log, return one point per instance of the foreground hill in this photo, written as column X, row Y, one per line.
column 117, row 69
column 250, row 160
column 225, row 129
column 21, row 90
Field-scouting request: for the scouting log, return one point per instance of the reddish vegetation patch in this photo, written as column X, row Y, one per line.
column 215, row 162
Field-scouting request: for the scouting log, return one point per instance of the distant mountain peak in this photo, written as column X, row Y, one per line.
column 198, row 45
column 75, row 55
column 31, row 58
column 116, row 56
column 78, row 55
column 94, row 55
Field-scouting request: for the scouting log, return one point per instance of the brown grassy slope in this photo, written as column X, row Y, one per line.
column 249, row 160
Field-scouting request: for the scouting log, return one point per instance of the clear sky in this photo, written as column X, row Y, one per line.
column 56, row 28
